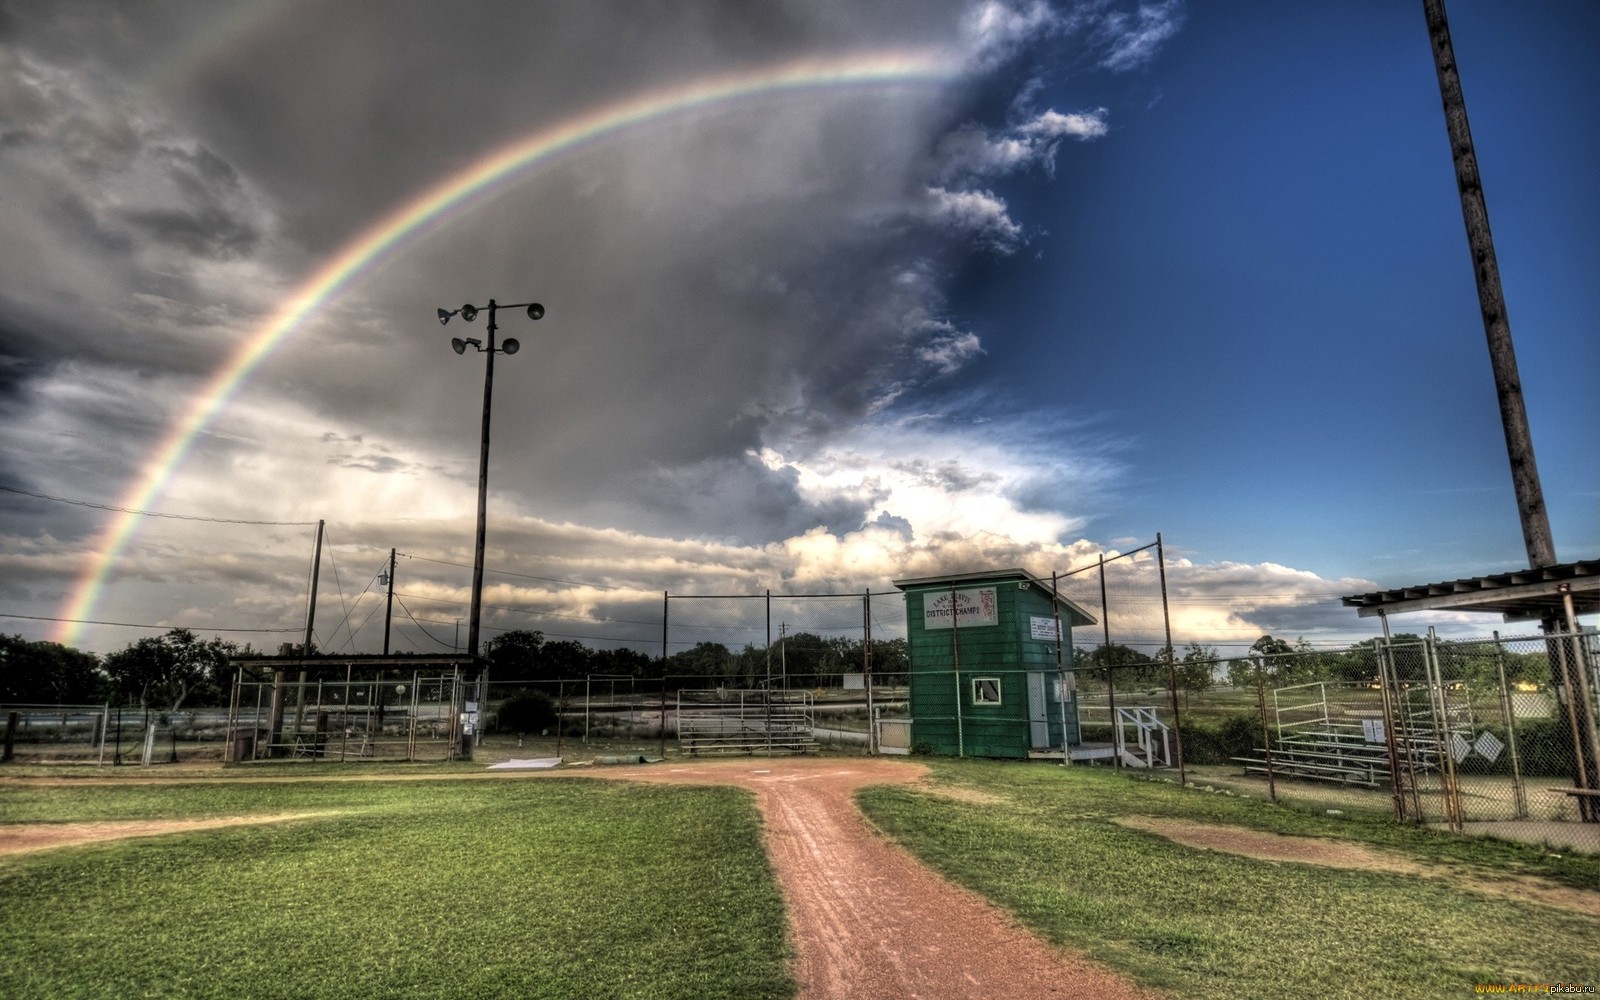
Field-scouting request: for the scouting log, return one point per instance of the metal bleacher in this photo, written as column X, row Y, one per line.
column 1335, row 733
column 725, row 721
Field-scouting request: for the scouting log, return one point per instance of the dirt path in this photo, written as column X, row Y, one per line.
column 1265, row 846
column 868, row 919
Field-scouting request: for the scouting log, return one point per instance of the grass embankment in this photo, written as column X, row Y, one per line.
column 549, row 888
column 1206, row 924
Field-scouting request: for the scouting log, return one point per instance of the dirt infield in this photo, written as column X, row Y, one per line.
column 1335, row 854
column 868, row 919
column 24, row 838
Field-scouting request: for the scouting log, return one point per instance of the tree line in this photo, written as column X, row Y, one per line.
column 1281, row 663
column 803, row 658
column 164, row 672
column 180, row 668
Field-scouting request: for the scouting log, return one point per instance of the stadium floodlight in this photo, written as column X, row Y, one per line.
column 469, row 312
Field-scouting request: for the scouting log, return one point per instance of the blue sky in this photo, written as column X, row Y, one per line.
column 1261, row 284
column 1127, row 268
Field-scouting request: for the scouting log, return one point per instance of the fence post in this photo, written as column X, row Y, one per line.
column 1508, row 705
column 1443, row 734
column 103, row 723
column 1588, row 737
column 1111, row 681
column 1061, row 669
column 866, row 670
column 411, row 712
column 1266, row 737
column 1172, row 670
column 230, row 749
column 955, row 659
column 1390, row 740
column 666, row 606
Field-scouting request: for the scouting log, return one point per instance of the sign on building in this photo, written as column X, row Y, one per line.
column 961, row 608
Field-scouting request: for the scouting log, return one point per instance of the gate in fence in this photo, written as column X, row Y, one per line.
column 1453, row 732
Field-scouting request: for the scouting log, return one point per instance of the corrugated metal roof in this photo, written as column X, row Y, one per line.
column 1519, row 595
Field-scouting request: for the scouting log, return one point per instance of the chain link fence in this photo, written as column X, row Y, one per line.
column 1481, row 731
column 112, row 735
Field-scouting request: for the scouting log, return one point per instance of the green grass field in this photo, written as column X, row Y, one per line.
column 550, row 888
column 579, row 888
column 1206, row 924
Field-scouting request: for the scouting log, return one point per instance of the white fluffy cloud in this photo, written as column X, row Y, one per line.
column 1129, row 40
column 971, row 151
column 946, row 348
column 980, row 216
column 995, row 31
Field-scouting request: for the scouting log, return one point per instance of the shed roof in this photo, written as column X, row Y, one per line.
column 1520, row 595
column 1076, row 615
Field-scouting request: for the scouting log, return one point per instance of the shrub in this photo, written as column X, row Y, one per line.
column 526, row 711
column 1544, row 747
column 1234, row 736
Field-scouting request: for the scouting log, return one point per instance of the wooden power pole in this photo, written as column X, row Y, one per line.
column 1491, row 298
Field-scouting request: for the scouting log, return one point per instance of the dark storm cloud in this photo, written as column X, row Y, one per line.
column 78, row 220
column 205, row 233
column 746, row 502
column 442, row 83
column 385, row 464
column 208, row 222
column 762, row 275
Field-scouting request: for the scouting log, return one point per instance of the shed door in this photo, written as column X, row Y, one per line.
column 1038, row 713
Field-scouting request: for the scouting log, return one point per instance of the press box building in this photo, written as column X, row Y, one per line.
column 984, row 674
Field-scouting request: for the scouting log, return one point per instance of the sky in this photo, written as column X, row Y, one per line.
column 836, row 293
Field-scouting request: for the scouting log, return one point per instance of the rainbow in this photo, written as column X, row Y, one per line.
column 431, row 207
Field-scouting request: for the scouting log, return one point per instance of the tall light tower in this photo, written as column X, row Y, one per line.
column 459, row 345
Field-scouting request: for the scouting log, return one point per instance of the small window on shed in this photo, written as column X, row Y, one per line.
column 986, row 691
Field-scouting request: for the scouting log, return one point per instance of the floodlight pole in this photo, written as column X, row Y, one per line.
column 475, row 616
column 468, row 313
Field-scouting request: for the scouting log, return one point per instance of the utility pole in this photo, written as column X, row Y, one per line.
column 388, row 614
column 1491, row 297
column 1513, row 414
column 276, row 709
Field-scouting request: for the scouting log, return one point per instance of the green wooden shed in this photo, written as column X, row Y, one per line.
column 985, row 678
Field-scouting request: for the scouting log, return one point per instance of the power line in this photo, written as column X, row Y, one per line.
column 191, row 628
column 446, row 645
column 520, row 576
column 152, row 513
column 541, row 614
